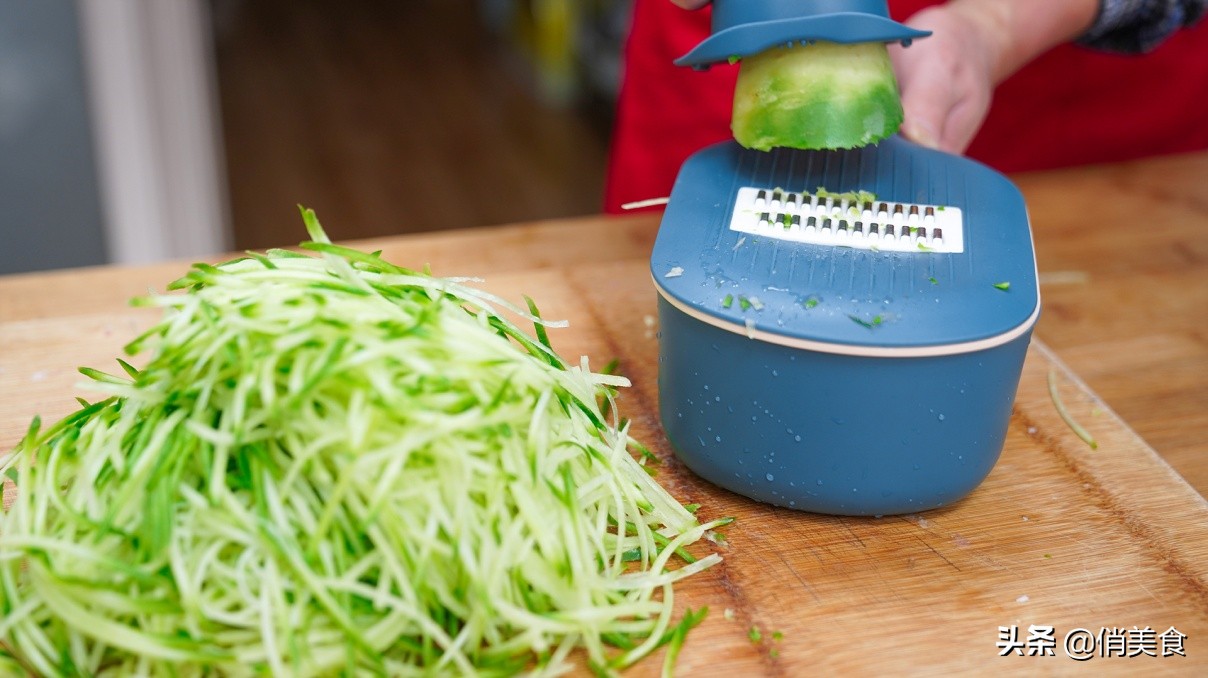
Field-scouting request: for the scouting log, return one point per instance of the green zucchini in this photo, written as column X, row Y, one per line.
column 815, row 96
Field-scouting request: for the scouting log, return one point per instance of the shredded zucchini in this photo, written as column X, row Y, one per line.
column 331, row 465
column 1064, row 413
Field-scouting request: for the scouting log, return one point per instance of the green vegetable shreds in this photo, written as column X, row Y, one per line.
column 330, row 465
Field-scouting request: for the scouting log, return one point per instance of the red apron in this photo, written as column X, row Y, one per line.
column 1071, row 106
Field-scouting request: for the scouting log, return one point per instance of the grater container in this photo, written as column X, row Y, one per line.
column 845, row 354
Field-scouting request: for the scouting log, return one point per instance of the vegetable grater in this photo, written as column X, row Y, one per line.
column 842, row 331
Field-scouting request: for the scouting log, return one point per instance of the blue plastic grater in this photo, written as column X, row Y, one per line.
column 841, row 331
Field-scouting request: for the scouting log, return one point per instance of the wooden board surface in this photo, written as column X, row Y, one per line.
column 1123, row 257
column 1059, row 535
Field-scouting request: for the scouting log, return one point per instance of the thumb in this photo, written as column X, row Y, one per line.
column 945, row 111
column 927, row 99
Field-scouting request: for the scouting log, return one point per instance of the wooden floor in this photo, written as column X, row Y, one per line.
column 391, row 116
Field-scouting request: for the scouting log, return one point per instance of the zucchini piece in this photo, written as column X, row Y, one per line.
column 818, row 95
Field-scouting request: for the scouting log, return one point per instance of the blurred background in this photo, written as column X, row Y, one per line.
column 140, row 130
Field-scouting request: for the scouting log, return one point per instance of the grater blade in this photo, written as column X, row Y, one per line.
column 848, row 220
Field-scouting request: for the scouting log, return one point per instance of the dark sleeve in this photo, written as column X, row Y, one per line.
column 1135, row 26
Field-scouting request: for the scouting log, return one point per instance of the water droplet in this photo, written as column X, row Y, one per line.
column 941, row 417
column 717, row 438
column 717, row 399
column 819, row 482
column 770, row 477
column 775, row 373
column 797, row 438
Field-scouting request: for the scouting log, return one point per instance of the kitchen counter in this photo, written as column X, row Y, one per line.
column 1060, row 537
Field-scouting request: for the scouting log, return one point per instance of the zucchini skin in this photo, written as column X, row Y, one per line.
column 822, row 95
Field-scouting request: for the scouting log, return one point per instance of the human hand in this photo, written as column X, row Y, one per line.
column 947, row 79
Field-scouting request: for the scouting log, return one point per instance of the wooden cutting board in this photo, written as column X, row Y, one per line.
column 1060, row 536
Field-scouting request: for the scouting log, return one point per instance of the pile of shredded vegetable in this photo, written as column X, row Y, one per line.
column 331, row 465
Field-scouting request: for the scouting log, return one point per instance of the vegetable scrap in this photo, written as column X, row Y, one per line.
column 869, row 324
column 1004, row 286
column 649, row 202
column 331, row 464
column 1077, row 428
column 860, row 196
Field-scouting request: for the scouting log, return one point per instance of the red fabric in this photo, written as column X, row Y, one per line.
column 1071, row 106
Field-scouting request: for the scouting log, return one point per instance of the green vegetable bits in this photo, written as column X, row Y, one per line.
column 822, row 95
column 331, row 465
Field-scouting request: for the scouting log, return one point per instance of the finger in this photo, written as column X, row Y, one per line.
column 927, row 99
column 691, row 4
column 964, row 120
